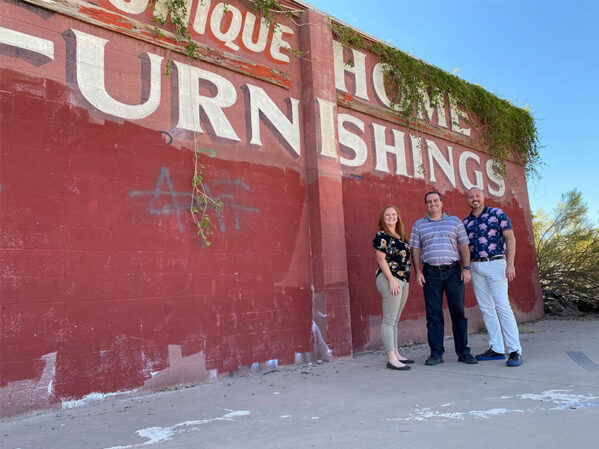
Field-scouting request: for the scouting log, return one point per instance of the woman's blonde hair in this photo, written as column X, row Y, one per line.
column 399, row 230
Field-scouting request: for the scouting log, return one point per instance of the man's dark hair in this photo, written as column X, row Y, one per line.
column 431, row 193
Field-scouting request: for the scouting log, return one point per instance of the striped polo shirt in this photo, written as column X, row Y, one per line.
column 439, row 240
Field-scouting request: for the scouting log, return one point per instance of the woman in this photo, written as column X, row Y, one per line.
column 392, row 280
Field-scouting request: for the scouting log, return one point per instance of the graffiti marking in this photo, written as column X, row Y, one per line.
column 165, row 200
column 167, row 208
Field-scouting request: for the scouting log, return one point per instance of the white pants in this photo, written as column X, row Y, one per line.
column 490, row 286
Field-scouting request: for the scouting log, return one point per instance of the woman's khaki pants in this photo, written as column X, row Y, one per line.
column 392, row 307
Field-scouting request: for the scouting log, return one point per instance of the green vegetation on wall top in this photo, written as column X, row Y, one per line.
column 506, row 130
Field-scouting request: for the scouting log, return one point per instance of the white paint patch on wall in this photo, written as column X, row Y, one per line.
column 159, row 434
column 23, row 395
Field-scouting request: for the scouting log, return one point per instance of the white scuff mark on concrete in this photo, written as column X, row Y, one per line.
column 575, row 405
column 558, row 397
column 427, row 413
column 562, row 399
column 315, row 417
column 160, row 434
column 95, row 397
column 155, row 434
column 284, row 416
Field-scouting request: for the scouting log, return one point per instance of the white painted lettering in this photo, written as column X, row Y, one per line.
column 27, row 42
column 201, row 17
column 278, row 43
column 190, row 101
column 326, row 115
column 397, row 148
column 248, row 32
column 358, row 70
column 446, row 164
column 496, row 179
column 232, row 32
column 463, row 169
column 456, row 114
column 91, row 81
column 417, row 156
column 351, row 140
column 429, row 106
column 378, row 82
column 261, row 103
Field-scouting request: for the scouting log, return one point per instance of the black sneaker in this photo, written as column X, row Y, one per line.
column 490, row 355
column 467, row 359
column 514, row 359
column 433, row 360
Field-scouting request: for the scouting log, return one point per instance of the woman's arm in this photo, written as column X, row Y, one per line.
column 393, row 284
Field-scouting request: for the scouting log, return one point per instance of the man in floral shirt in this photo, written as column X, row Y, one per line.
column 492, row 251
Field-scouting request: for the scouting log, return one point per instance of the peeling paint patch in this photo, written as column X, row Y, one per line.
column 23, row 395
column 182, row 370
column 159, row 434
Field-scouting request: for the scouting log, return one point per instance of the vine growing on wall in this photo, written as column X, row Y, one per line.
column 506, row 130
column 177, row 10
column 178, row 13
column 200, row 200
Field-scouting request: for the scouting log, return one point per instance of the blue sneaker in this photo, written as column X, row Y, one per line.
column 490, row 355
column 514, row 359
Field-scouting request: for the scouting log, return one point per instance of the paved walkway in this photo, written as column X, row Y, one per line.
column 552, row 401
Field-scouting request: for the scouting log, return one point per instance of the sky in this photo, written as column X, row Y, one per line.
column 543, row 54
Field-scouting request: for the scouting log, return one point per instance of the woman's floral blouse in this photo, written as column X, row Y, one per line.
column 397, row 254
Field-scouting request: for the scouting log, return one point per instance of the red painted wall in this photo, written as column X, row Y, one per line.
column 105, row 286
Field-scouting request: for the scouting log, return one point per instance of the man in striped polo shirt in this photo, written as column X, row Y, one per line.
column 437, row 241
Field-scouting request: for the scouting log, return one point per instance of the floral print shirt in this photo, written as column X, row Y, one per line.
column 485, row 232
column 397, row 254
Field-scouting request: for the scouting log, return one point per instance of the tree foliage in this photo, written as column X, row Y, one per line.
column 568, row 256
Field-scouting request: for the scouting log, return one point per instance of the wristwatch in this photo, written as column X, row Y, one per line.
column 467, row 267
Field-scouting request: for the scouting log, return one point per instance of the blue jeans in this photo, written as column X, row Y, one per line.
column 437, row 281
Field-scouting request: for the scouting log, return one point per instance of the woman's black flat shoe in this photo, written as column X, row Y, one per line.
column 399, row 368
column 407, row 361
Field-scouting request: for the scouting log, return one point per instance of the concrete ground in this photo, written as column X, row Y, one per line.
column 552, row 401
